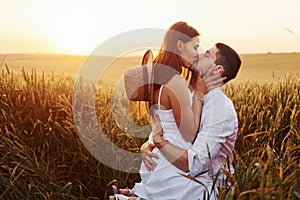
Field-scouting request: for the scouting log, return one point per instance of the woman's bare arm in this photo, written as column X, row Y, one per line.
column 187, row 117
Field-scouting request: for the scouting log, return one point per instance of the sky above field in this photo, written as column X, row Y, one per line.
column 78, row 27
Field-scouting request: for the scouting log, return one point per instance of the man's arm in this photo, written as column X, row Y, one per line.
column 215, row 139
column 176, row 155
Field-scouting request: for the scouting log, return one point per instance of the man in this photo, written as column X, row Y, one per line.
column 212, row 148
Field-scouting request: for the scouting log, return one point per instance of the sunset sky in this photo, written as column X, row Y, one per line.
column 78, row 27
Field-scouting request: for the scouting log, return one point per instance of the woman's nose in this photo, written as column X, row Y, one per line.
column 200, row 56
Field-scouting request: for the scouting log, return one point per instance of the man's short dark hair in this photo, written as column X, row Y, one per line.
column 229, row 59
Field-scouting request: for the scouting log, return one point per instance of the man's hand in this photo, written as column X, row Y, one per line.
column 157, row 133
column 148, row 155
column 147, row 147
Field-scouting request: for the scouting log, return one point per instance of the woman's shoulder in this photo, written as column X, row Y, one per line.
column 177, row 82
column 177, row 79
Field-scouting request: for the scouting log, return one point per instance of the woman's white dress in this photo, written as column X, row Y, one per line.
column 165, row 182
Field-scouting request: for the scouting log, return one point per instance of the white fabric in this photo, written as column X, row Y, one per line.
column 124, row 197
column 164, row 182
column 120, row 197
column 218, row 131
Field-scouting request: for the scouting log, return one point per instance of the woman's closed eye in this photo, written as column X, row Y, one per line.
column 207, row 54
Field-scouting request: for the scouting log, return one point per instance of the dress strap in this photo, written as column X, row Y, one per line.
column 159, row 94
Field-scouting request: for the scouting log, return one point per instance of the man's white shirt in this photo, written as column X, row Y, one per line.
column 216, row 138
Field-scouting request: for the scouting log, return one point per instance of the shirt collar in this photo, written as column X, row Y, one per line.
column 211, row 95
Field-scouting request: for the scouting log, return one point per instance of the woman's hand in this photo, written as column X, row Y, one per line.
column 211, row 80
column 147, row 147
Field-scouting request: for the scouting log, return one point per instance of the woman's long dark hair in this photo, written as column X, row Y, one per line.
column 168, row 62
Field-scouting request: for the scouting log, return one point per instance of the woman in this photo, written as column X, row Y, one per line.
column 179, row 110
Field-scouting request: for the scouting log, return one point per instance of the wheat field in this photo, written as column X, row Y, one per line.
column 42, row 156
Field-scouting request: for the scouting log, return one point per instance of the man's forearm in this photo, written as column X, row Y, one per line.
column 175, row 155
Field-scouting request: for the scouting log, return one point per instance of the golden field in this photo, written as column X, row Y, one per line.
column 255, row 67
column 42, row 156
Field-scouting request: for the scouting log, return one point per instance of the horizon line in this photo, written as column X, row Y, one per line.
column 75, row 54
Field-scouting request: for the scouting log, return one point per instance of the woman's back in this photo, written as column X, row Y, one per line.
column 167, row 120
column 165, row 181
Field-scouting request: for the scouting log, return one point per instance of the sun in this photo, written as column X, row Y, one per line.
column 73, row 39
column 73, row 44
column 72, row 33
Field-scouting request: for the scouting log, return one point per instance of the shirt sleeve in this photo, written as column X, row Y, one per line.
column 203, row 151
column 215, row 139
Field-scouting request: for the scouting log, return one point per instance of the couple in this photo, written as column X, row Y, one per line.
column 195, row 126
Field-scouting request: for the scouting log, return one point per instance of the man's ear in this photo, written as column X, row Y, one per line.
column 221, row 69
column 179, row 45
